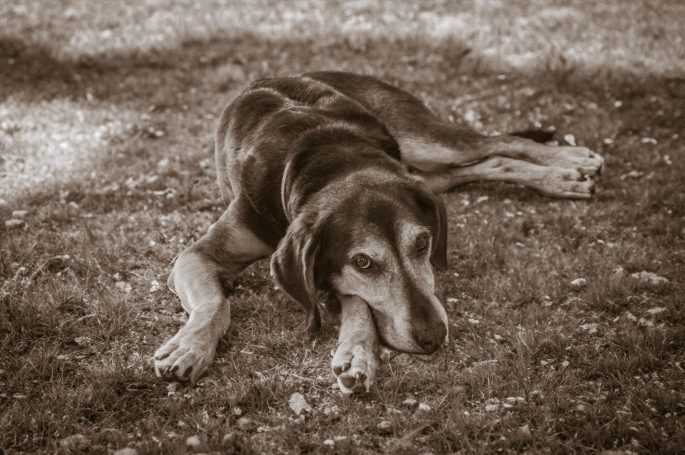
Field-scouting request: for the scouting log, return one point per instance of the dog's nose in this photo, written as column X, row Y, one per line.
column 430, row 338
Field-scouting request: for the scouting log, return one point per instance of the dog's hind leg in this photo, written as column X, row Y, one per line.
column 552, row 181
column 430, row 144
column 197, row 278
column 354, row 361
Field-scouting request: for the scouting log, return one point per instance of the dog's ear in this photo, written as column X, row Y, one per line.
column 293, row 267
column 434, row 209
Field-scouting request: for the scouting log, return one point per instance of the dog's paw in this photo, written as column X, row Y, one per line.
column 566, row 183
column 354, row 365
column 185, row 357
column 582, row 159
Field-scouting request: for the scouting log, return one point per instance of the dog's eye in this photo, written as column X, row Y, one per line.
column 421, row 242
column 362, row 261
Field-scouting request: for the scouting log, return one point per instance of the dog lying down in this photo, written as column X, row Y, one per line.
column 335, row 175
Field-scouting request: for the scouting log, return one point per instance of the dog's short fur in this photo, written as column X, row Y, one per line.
column 334, row 175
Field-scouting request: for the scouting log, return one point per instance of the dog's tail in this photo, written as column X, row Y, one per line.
column 536, row 135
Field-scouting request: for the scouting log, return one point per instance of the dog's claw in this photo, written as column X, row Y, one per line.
column 184, row 357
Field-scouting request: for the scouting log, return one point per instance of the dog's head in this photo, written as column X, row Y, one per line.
column 378, row 243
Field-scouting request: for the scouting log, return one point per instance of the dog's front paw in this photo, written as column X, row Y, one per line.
column 354, row 364
column 185, row 356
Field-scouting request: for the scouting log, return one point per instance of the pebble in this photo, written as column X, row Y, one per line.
column 193, row 442
column 298, row 403
column 492, row 407
column 329, row 443
column 644, row 322
column 19, row 213
column 579, row 283
column 410, row 402
column 244, row 422
column 75, row 442
column 570, row 139
column 384, row 426
column 126, row 451
column 590, row 328
column 649, row 278
column 14, row 223
column 424, row 407
column 656, row 310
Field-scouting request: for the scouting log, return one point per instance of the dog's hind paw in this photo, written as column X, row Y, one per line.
column 354, row 365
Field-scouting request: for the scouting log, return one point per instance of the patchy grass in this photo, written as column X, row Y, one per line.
column 106, row 123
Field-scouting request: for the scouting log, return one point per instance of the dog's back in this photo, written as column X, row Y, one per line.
column 306, row 123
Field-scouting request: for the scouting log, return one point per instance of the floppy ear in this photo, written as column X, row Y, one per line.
column 435, row 209
column 293, row 264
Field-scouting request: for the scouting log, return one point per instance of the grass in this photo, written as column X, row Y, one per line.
column 106, row 124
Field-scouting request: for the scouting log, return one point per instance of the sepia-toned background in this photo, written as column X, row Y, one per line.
column 566, row 318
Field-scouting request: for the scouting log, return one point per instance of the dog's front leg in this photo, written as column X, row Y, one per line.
column 355, row 359
column 197, row 278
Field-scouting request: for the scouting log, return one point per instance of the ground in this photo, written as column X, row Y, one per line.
column 559, row 343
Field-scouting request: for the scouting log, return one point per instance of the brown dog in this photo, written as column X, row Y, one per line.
column 333, row 175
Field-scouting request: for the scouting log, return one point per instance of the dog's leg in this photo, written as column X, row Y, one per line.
column 552, row 181
column 354, row 361
column 197, row 278
column 442, row 147
column 429, row 144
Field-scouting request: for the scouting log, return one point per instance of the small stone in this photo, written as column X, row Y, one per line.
column 384, row 426
column 473, row 321
column 21, row 214
column 329, row 443
column 570, row 139
column 642, row 322
column 656, row 310
column 193, row 442
column 75, row 443
column 525, row 430
column 82, row 341
column 649, row 140
column 410, row 402
column 237, row 411
column 299, row 404
column 126, row 451
column 632, row 175
column 491, row 407
column 172, row 388
column 579, row 283
column 244, row 422
column 590, row 328
column 580, row 408
column 154, row 286
column 14, row 223
column 649, row 278
column 424, row 407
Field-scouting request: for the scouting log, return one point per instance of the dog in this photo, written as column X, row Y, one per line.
column 335, row 175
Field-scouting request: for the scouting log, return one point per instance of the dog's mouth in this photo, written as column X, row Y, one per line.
column 383, row 342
